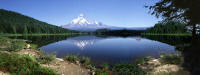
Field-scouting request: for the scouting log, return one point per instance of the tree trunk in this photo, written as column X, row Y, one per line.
column 194, row 31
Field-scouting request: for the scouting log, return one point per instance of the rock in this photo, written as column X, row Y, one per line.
column 166, row 69
column 77, row 62
column 3, row 73
column 59, row 59
column 93, row 73
column 154, row 62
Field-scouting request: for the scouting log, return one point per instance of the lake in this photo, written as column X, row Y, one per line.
column 108, row 49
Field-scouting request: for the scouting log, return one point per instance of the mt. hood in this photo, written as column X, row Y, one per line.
column 82, row 23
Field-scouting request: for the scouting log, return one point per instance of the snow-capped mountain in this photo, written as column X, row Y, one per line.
column 82, row 23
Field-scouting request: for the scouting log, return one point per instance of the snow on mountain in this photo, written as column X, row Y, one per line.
column 82, row 23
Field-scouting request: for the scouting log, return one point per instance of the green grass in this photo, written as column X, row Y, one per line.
column 46, row 58
column 16, row 45
column 143, row 61
column 11, row 44
column 127, row 69
column 85, row 61
column 169, row 34
column 23, row 64
column 34, row 46
column 71, row 58
column 105, row 67
column 170, row 58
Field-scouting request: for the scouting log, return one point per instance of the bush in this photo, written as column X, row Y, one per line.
column 105, row 67
column 141, row 61
column 85, row 61
column 4, row 41
column 71, row 58
column 46, row 58
column 16, row 45
column 101, row 72
column 92, row 68
column 34, row 46
column 23, row 64
column 127, row 69
column 170, row 58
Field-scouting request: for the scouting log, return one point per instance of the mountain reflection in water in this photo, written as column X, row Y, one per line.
column 110, row 49
column 83, row 41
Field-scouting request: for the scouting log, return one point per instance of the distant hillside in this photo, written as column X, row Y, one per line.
column 12, row 22
column 168, row 27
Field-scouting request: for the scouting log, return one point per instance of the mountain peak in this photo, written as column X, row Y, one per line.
column 83, row 23
column 83, row 20
column 81, row 15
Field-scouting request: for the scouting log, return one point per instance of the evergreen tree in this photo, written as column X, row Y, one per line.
column 184, row 10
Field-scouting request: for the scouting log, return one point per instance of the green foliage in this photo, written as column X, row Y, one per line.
column 170, row 58
column 143, row 60
column 46, row 58
column 71, row 58
column 187, row 11
column 34, row 46
column 105, row 67
column 24, row 64
column 11, row 44
column 148, row 57
column 127, row 69
column 101, row 72
column 85, row 61
column 92, row 68
column 12, row 22
column 4, row 43
column 170, row 27
column 16, row 45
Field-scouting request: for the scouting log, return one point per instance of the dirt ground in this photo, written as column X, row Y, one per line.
column 67, row 68
column 155, row 67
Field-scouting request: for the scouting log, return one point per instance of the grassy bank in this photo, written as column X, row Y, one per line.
column 168, row 34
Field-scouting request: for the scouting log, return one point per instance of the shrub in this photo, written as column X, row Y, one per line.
column 127, row 69
column 148, row 58
column 141, row 61
column 170, row 58
column 4, row 40
column 4, row 43
column 101, row 72
column 85, row 61
column 105, row 67
column 71, row 58
column 16, row 45
column 92, row 68
column 34, row 46
column 46, row 58
column 24, row 64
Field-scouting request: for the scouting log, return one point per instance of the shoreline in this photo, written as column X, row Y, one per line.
column 166, row 34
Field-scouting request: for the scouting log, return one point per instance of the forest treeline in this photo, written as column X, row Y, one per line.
column 171, row 27
column 122, row 32
column 16, row 23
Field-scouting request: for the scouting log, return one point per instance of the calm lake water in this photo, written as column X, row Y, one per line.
column 108, row 49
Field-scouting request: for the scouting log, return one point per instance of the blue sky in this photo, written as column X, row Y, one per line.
column 127, row 13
